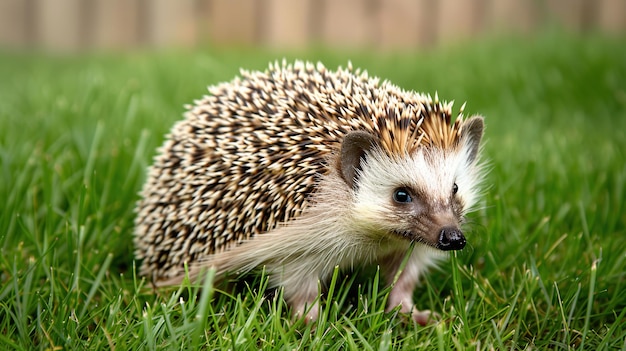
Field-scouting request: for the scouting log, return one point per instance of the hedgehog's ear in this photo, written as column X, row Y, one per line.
column 472, row 133
column 355, row 145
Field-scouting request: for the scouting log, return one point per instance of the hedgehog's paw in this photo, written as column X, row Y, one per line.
column 402, row 296
column 304, row 305
column 312, row 314
column 425, row 317
column 308, row 314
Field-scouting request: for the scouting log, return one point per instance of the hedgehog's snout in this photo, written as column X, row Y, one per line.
column 451, row 238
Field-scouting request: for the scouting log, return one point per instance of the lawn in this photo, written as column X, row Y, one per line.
column 545, row 266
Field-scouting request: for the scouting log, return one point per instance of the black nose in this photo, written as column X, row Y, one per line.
column 451, row 238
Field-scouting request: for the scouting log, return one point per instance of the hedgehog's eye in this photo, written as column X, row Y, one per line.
column 401, row 195
column 455, row 188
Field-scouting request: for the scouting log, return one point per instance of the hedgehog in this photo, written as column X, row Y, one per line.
column 299, row 170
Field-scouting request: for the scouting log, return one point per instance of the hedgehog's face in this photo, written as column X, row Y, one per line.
column 422, row 196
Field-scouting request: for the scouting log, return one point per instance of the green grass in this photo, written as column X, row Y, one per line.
column 546, row 263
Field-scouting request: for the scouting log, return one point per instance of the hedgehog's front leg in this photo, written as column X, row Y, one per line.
column 402, row 291
column 301, row 293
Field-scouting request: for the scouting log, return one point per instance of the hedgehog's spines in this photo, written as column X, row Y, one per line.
column 462, row 109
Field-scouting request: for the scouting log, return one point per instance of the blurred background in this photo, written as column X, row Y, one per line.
column 95, row 25
column 89, row 89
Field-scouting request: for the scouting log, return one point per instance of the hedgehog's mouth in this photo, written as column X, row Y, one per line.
column 411, row 236
column 449, row 238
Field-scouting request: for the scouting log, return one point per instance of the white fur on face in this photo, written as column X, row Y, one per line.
column 430, row 172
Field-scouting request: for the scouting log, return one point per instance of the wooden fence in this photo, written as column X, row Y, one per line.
column 74, row 25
